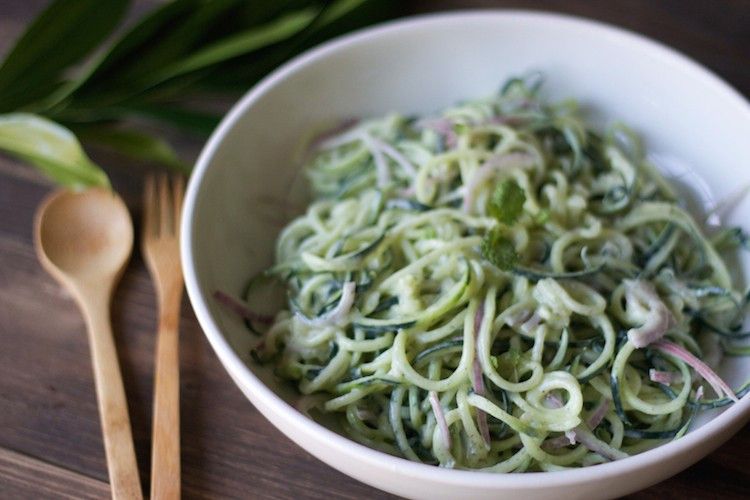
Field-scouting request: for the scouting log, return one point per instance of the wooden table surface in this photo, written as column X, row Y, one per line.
column 50, row 441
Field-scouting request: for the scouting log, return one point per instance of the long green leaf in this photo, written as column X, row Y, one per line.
column 136, row 145
column 339, row 16
column 50, row 147
column 243, row 43
column 164, row 35
column 189, row 120
column 64, row 33
column 174, row 42
column 105, row 75
column 180, row 29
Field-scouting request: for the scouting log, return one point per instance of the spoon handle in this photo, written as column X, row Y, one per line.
column 113, row 409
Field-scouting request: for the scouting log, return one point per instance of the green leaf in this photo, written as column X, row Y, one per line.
column 506, row 204
column 242, row 43
column 59, row 37
column 182, row 118
column 338, row 17
column 499, row 249
column 172, row 114
column 162, row 37
column 136, row 145
column 52, row 148
column 166, row 37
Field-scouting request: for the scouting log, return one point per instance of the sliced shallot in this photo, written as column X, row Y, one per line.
column 437, row 409
column 720, row 387
column 240, row 308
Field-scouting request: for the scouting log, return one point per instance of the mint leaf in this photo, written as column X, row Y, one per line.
column 499, row 249
column 506, row 204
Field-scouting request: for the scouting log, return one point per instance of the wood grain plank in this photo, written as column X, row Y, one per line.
column 25, row 477
column 49, row 407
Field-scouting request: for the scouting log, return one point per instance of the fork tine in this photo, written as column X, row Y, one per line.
column 165, row 215
column 149, row 208
column 178, row 192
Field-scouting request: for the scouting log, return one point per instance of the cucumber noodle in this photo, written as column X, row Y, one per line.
column 448, row 326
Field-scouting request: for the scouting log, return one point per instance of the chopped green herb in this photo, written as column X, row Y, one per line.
column 542, row 217
column 499, row 249
column 506, row 204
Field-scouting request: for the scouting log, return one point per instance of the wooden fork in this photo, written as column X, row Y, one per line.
column 161, row 249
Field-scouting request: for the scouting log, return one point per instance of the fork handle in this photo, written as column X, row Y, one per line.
column 165, row 452
column 110, row 394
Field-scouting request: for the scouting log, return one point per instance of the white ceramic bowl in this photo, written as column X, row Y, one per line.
column 238, row 196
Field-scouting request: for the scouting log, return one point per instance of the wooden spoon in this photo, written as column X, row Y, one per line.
column 84, row 240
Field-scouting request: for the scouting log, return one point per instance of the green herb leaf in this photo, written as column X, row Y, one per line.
column 64, row 33
column 52, row 148
column 135, row 144
column 506, row 204
column 499, row 249
column 542, row 217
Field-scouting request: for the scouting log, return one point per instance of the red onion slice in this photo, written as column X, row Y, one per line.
column 720, row 387
column 598, row 414
column 396, row 156
column 660, row 376
column 477, row 381
column 583, row 435
column 440, row 418
column 240, row 308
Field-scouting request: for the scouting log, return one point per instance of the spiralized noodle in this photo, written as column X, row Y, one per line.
column 443, row 327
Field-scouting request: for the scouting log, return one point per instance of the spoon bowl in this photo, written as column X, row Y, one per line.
column 84, row 234
column 84, row 240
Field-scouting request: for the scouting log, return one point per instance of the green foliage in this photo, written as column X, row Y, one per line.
column 155, row 71
column 50, row 147
column 505, row 205
column 64, row 33
column 135, row 144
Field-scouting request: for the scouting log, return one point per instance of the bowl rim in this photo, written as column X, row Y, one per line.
column 735, row 415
